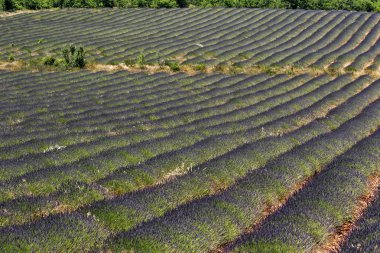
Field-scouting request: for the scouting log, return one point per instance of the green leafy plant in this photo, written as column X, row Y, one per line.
column 200, row 67
column 40, row 41
column 129, row 62
column 358, row 5
column 49, row 61
column 173, row 65
column 74, row 56
column 164, row 4
column 79, row 55
column 11, row 58
column 140, row 60
column 7, row 5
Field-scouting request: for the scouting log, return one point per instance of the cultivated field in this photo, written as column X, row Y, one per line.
column 341, row 40
column 200, row 157
column 153, row 161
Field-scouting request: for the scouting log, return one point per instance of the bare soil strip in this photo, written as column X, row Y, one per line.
column 188, row 69
column 14, row 13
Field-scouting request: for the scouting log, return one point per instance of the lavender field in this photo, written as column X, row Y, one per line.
column 339, row 40
column 161, row 160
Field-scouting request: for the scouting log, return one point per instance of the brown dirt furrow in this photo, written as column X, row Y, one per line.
column 189, row 69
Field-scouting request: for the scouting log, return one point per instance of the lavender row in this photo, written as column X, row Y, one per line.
column 78, row 235
column 366, row 237
column 99, row 145
column 327, row 202
column 203, row 36
column 267, row 116
column 47, row 132
column 325, row 147
column 176, row 163
column 203, row 225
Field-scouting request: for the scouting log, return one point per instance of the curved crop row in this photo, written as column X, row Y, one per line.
column 119, row 157
column 363, row 122
column 199, row 36
column 179, row 162
column 205, row 224
column 329, row 201
column 365, row 237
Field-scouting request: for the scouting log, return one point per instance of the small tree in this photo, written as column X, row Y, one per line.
column 79, row 55
column 6, row 5
column 66, row 53
column 140, row 60
column 74, row 56
column 164, row 4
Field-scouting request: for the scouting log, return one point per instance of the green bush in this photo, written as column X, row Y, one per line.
column 67, row 53
column 173, row 65
column 243, row 3
column 11, row 58
column 74, row 56
column 6, row 5
column 129, row 62
column 200, row 67
column 164, row 4
column 358, row 5
column 83, row 3
column 79, row 58
column 140, row 60
column 49, row 61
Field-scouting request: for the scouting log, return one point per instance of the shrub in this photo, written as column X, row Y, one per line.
column 49, row 61
column 129, row 62
column 32, row 4
column 67, row 52
column 164, row 4
column 79, row 55
column 6, row 5
column 359, row 5
column 74, row 56
column 40, row 41
column 200, row 67
column 140, row 60
column 182, row 3
column 11, row 58
column 173, row 65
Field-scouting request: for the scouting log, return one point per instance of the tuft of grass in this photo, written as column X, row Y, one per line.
column 130, row 62
column 11, row 58
column 350, row 69
column 113, row 63
column 173, row 65
column 49, row 61
column 40, row 41
column 140, row 61
column 200, row 67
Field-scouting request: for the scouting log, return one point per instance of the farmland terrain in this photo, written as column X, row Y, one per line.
column 340, row 41
column 281, row 153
